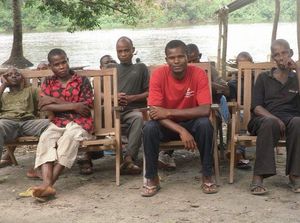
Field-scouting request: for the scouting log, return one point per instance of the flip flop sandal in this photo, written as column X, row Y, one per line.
column 209, row 188
column 295, row 185
column 150, row 191
column 27, row 193
column 129, row 168
column 243, row 166
column 255, row 186
column 5, row 163
column 85, row 167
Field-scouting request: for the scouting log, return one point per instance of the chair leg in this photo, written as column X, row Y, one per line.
column 11, row 150
column 144, row 170
column 232, row 161
column 216, row 157
column 118, row 164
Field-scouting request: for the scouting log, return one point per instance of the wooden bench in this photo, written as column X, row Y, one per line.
column 177, row 144
column 241, row 114
column 106, row 117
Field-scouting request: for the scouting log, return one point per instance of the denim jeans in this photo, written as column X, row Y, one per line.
column 154, row 133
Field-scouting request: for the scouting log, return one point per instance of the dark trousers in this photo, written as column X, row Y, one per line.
column 154, row 133
column 268, row 134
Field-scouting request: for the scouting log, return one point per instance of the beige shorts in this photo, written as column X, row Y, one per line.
column 60, row 144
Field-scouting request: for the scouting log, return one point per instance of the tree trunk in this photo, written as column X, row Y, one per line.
column 16, row 56
column 298, row 27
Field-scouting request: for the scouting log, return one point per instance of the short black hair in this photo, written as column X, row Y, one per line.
column 104, row 57
column 55, row 52
column 175, row 44
column 245, row 54
column 281, row 42
column 122, row 38
column 192, row 48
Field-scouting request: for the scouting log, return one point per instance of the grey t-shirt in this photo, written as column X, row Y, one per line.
column 133, row 79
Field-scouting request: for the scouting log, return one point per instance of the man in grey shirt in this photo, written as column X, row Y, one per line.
column 133, row 82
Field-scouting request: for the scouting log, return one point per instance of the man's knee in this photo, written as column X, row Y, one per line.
column 151, row 128
column 295, row 123
column 270, row 123
column 138, row 120
column 203, row 123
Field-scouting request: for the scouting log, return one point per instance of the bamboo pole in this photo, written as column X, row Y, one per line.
column 224, row 47
column 298, row 27
column 276, row 19
column 219, row 43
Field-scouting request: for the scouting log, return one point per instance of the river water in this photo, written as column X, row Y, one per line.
column 85, row 48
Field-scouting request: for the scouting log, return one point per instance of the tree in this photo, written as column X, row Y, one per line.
column 82, row 14
column 17, row 58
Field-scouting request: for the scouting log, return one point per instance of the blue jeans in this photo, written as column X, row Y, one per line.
column 154, row 133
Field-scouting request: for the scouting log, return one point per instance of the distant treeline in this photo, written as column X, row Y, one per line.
column 156, row 13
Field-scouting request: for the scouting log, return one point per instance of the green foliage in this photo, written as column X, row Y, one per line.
column 41, row 15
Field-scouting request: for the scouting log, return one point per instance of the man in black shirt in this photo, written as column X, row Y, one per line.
column 276, row 114
column 133, row 84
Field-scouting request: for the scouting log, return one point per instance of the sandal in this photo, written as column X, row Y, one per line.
column 85, row 164
column 294, row 184
column 209, row 188
column 150, row 191
column 43, row 194
column 255, row 186
column 243, row 165
column 5, row 163
column 129, row 168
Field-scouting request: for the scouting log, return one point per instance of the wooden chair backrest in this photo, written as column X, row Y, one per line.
column 247, row 75
column 106, row 118
column 206, row 66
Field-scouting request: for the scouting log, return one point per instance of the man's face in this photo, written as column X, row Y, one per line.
column 59, row 65
column 125, row 51
column 194, row 57
column 107, row 62
column 13, row 77
column 281, row 55
column 177, row 60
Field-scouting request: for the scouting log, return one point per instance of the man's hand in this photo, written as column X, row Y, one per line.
column 82, row 109
column 291, row 64
column 122, row 99
column 188, row 140
column 282, row 128
column 157, row 113
column 4, row 80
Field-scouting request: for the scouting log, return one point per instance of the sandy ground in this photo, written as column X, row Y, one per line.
column 96, row 198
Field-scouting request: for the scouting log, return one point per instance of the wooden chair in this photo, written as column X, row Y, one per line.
column 107, row 135
column 177, row 144
column 247, row 74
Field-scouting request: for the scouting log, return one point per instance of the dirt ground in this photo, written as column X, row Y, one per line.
column 96, row 198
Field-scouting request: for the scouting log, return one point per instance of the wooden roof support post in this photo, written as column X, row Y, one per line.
column 298, row 27
column 222, row 44
column 275, row 23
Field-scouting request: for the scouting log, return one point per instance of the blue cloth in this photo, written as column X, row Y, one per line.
column 224, row 109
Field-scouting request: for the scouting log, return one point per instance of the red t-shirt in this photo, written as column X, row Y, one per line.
column 167, row 92
column 77, row 89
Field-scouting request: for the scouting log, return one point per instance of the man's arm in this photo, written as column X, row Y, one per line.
column 187, row 139
column 4, row 84
column 261, row 111
column 158, row 113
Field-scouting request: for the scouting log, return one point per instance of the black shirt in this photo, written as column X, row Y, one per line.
column 281, row 100
column 133, row 79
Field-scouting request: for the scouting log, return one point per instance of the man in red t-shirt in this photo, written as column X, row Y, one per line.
column 179, row 100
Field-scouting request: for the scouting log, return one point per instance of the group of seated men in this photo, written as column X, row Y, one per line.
column 179, row 100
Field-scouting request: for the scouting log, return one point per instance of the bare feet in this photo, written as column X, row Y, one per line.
column 34, row 173
column 43, row 191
